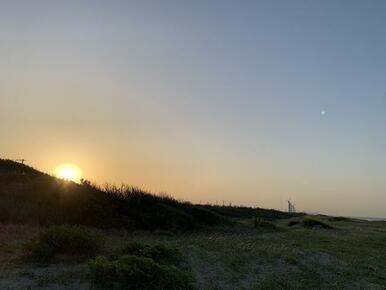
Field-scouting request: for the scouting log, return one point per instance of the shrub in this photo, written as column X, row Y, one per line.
column 260, row 223
column 132, row 272
column 160, row 253
column 292, row 223
column 205, row 216
column 267, row 225
column 339, row 219
column 311, row 223
column 163, row 216
column 65, row 242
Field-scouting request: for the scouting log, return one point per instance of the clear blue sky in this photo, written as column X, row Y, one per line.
column 206, row 100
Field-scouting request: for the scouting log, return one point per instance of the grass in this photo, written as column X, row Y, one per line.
column 239, row 256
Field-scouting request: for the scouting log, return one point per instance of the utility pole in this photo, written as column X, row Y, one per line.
column 21, row 160
column 291, row 207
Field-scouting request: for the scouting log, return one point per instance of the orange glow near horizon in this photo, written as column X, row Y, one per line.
column 68, row 172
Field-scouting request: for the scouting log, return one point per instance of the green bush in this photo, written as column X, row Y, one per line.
column 267, row 225
column 292, row 223
column 164, row 216
column 263, row 224
column 132, row 272
column 205, row 216
column 64, row 242
column 339, row 219
column 311, row 223
column 160, row 253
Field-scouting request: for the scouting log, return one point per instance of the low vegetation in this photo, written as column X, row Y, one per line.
column 309, row 223
column 313, row 223
column 237, row 256
column 292, row 223
column 160, row 253
column 142, row 266
column 64, row 243
column 133, row 272
column 263, row 224
column 340, row 219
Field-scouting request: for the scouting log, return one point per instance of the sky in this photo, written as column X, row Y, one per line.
column 209, row 101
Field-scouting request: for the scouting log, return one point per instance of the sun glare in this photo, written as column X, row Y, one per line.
column 68, row 172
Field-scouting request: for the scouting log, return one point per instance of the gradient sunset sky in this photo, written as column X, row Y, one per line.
column 250, row 102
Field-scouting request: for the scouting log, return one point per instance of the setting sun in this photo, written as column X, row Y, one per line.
column 69, row 172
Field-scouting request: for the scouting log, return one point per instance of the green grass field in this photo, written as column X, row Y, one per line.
column 351, row 255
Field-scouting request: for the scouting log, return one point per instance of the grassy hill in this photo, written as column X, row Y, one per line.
column 30, row 196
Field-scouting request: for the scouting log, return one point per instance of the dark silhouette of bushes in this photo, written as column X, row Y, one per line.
column 312, row 223
column 340, row 219
column 292, row 223
column 29, row 196
column 142, row 210
column 263, row 224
